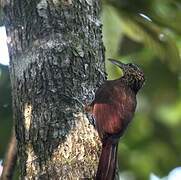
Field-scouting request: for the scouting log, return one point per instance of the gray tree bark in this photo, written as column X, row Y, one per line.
column 56, row 64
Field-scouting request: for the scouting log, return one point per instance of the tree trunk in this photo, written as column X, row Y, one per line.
column 56, row 64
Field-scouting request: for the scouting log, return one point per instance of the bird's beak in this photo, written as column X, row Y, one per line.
column 118, row 63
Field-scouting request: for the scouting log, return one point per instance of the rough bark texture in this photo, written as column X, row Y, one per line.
column 56, row 63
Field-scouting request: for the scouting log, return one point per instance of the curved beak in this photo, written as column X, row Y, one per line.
column 118, row 63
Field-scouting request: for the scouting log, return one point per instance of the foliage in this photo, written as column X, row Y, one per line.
column 5, row 108
column 148, row 33
column 175, row 174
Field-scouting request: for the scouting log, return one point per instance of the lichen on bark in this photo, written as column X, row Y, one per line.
column 56, row 64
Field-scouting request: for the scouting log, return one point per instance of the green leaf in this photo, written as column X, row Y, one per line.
column 170, row 114
column 144, row 31
column 112, row 34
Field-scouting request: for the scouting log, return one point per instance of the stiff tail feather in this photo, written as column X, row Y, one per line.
column 107, row 162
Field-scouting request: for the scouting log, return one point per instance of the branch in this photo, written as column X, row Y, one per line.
column 10, row 159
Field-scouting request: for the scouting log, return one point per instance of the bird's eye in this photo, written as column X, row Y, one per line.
column 133, row 66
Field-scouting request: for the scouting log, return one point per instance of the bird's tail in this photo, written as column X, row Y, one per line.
column 107, row 162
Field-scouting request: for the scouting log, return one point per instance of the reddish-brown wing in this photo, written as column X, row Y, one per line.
column 113, row 107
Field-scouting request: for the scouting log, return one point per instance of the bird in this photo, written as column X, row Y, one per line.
column 113, row 109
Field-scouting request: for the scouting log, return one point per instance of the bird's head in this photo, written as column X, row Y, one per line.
column 133, row 75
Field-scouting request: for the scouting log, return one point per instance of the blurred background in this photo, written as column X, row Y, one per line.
column 147, row 33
